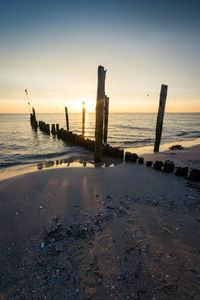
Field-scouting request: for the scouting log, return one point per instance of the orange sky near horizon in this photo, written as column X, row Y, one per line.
column 145, row 103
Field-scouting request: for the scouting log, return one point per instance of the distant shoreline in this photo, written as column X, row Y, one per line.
column 25, row 113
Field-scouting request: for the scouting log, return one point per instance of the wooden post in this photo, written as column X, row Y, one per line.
column 34, row 116
column 83, row 119
column 67, row 119
column 53, row 129
column 57, row 130
column 106, row 112
column 57, row 127
column 160, row 116
column 99, row 114
column 33, row 120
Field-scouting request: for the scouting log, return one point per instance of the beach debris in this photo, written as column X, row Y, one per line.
column 140, row 160
column 194, row 175
column 41, row 207
column 182, row 172
column 168, row 166
column 149, row 163
column 176, row 147
column 158, row 165
column 42, row 245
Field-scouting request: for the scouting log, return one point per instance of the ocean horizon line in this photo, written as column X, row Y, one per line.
column 121, row 113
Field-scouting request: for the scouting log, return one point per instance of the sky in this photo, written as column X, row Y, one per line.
column 54, row 47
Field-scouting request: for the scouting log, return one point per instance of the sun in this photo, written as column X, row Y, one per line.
column 88, row 104
column 76, row 106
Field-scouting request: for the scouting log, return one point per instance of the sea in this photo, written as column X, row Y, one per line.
column 21, row 147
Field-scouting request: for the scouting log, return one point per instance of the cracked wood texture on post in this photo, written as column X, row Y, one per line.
column 106, row 113
column 160, row 116
column 99, row 114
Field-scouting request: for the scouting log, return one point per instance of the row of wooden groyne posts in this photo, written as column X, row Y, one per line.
column 99, row 146
column 115, row 152
column 79, row 140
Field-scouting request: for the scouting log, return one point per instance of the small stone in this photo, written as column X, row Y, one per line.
column 42, row 245
column 99, row 280
column 176, row 147
column 41, row 207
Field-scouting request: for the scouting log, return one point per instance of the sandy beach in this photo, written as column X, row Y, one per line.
column 127, row 232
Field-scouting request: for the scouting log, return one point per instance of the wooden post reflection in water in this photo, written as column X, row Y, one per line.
column 67, row 119
column 83, row 119
column 160, row 116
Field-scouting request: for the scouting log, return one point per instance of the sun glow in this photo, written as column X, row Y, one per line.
column 88, row 104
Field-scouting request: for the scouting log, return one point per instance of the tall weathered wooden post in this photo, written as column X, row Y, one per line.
column 34, row 115
column 83, row 119
column 33, row 120
column 67, row 119
column 160, row 116
column 106, row 113
column 99, row 114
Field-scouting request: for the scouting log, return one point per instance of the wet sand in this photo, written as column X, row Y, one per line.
column 128, row 232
